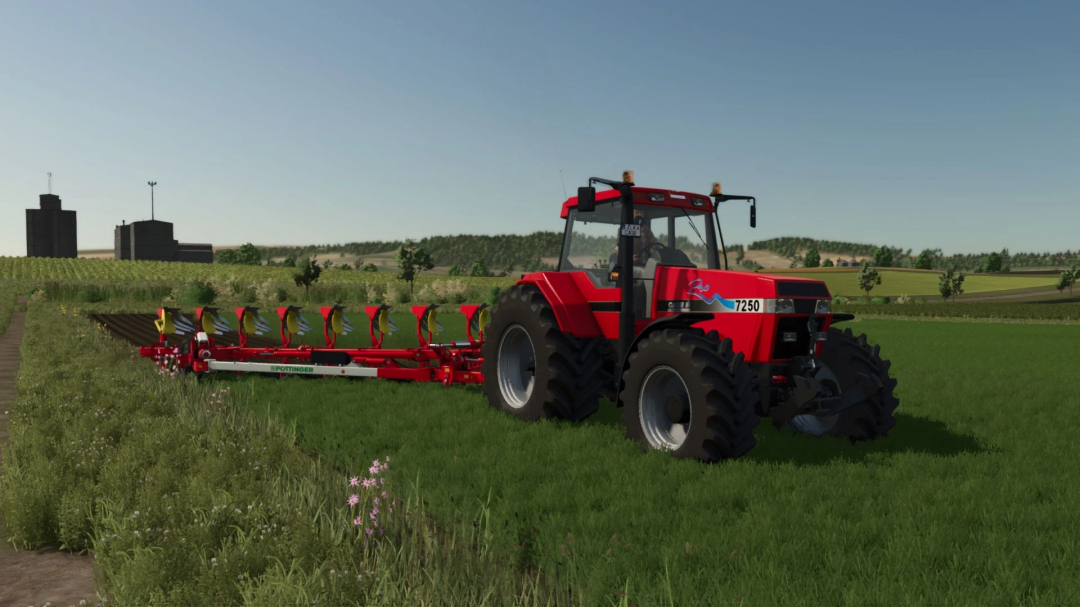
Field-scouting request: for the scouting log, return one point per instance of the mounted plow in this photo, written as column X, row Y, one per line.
column 198, row 352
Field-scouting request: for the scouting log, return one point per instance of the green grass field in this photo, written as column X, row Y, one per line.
column 896, row 282
column 970, row 500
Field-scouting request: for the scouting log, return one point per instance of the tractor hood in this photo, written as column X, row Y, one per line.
column 694, row 290
column 766, row 316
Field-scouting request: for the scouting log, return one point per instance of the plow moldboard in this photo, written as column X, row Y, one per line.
column 139, row 330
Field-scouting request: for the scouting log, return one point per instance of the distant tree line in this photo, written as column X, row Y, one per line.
column 927, row 259
column 507, row 253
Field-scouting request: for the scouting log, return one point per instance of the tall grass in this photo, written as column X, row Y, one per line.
column 238, row 291
column 8, row 295
column 185, row 496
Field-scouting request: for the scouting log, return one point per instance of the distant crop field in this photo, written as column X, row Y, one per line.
column 968, row 501
column 39, row 268
column 896, row 282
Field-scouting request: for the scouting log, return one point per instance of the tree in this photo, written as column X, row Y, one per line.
column 309, row 275
column 478, row 268
column 247, row 255
column 950, row 284
column 868, row 278
column 1006, row 260
column 412, row 259
column 1066, row 280
column 992, row 263
column 883, row 258
column 327, row 264
column 290, row 261
column 455, row 270
column 828, row 263
column 1063, row 281
column 958, row 285
column 925, row 260
column 358, row 264
column 812, row 258
column 227, row 256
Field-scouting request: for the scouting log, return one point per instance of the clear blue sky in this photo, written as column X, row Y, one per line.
column 952, row 125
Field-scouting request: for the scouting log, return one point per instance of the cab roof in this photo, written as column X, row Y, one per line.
column 643, row 196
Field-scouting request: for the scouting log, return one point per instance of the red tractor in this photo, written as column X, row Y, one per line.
column 641, row 311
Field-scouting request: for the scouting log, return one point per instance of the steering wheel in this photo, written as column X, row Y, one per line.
column 642, row 254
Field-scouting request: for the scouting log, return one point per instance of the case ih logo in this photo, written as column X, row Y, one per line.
column 701, row 291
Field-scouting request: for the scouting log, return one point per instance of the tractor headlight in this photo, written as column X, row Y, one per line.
column 824, row 306
column 780, row 306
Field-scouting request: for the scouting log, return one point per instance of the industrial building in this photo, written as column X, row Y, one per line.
column 50, row 231
column 153, row 240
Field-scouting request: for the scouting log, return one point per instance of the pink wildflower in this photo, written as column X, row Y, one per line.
column 354, row 481
column 368, row 483
column 384, row 495
column 358, row 521
column 369, row 530
column 374, row 512
column 354, row 499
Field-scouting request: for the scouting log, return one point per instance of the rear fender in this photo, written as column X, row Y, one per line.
column 686, row 319
column 571, row 309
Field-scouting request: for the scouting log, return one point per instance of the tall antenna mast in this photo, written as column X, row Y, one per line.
column 50, row 183
column 151, row 184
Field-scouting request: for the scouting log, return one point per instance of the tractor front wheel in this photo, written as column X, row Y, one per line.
column 686, row 393
column 846, row 357
column 532, row 369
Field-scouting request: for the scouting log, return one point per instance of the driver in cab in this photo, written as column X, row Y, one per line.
column 641, row 253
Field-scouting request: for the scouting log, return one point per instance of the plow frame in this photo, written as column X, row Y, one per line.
column 453, row 363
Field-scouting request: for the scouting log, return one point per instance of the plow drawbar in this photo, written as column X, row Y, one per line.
column 448, row 363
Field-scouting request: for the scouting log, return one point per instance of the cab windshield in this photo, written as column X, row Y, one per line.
column 670, row 236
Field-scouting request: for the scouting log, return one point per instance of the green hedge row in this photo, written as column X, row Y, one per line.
column 1019, row 311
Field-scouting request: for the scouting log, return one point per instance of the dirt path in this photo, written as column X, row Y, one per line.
column 1012, row 296
column 34, row 577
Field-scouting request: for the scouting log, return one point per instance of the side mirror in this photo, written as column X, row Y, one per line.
column 586, row 200
column 753, row 215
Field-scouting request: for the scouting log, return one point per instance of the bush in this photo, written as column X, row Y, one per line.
column 493, row 295
column 198, row 292
column 879, row 300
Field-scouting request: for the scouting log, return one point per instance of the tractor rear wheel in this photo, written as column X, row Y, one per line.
column 687, row 393
column 846, row 356
column 532, row 369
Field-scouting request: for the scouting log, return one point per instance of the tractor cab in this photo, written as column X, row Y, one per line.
column 676, row 230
